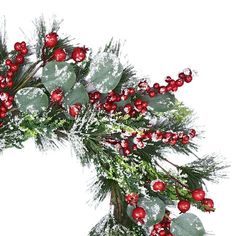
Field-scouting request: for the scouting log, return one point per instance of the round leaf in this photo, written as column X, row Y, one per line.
column 105, row 72
column 161, row 102
column 58, row 74
column 31, row 100
column 76, row 95
column 187, row 224
column 154, row 207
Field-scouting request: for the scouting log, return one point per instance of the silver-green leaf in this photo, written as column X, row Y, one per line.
column 154, row 207
column 105, row 72
column 58, row 75
column 77, row 94
column 186, row 225
column 31, row 100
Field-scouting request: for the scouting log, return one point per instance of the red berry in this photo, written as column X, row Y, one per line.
column 182, row 75
column 56, row 95
column 17, row 46
column 3, row 114
column 162, row 233
column 198, row 195
column 162, row 90
column 185, row 139
column 59, row 54
column 131, row 91
column 156, row 86
column 158, row 186
column 51, row 40
column 192, row 133
column 179, row 82
column 79, row 54
column 168, row 79
column 188, row 78
column 184, row 206
column 157, row 226
column 139, row 214
column 9, row 74
column 138, row 102
column 75, row 109
column 14, row 67
column 24, row 51
column 152, row 94
column 23, row 45
column 8, row 62
column 19, row 59
column 128, row 108
column 126, row 151
column 208, row 204
column 97, row 95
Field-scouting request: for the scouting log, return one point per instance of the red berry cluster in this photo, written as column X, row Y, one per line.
column 6, row 101
column 51, row 41
column 172, row 85
column 137, row 141
column 6, row 81
column 162, row 228
column 198, row 195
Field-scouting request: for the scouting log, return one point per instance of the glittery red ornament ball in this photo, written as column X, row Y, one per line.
column 51, row 40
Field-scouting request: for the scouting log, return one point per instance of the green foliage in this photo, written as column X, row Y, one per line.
column 58, row 75
column 208, row 168
column 105, row 72
column 3, row 46
column 31, row 100
column 186, row 225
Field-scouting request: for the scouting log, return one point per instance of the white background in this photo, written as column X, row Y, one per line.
column 45, row 195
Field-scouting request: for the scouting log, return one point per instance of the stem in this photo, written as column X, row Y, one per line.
column 172, row 177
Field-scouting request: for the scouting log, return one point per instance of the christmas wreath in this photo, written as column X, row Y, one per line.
column 124, row 126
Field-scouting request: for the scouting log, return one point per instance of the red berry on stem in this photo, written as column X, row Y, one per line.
column 152, row 94
column 138, row 102
column 183, row 205
column 156, row 86
column 128, row 108
column 132, row 199
column 24, row 51
column 185, row 139
column 162, row 233
column 75, row 109
column 158, row 186
column 14, row 67
column 188, row 78
column 8, row 62
column 179, row 82
column 198, row 195
column 56, row 95
column 51, row 40
column 162, row 89
column 19, row 59
column 23, row 44
column 131, row 91
column 208, row 204
column 17, row 46
column 192, row 133
column 139, row 214
column 182, row 75
column 126, row 151
column 59, row 54
column 79, row 54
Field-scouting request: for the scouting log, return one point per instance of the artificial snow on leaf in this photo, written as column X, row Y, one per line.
column 77, row 94
column 154, row 207
column 105, row 72
column 161, row 102
column 58, row 75
column 187, row 224
column 31, row 100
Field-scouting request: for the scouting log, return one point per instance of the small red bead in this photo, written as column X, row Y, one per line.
column 51, row 40
column 19, row 59
column 59, row 55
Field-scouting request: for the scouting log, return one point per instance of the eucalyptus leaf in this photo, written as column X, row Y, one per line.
column 105, row 72
column 154, row 207
column 161, row 102
column 187, row 224
column 31, row 100
column 58, row 75
column 77, row 94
